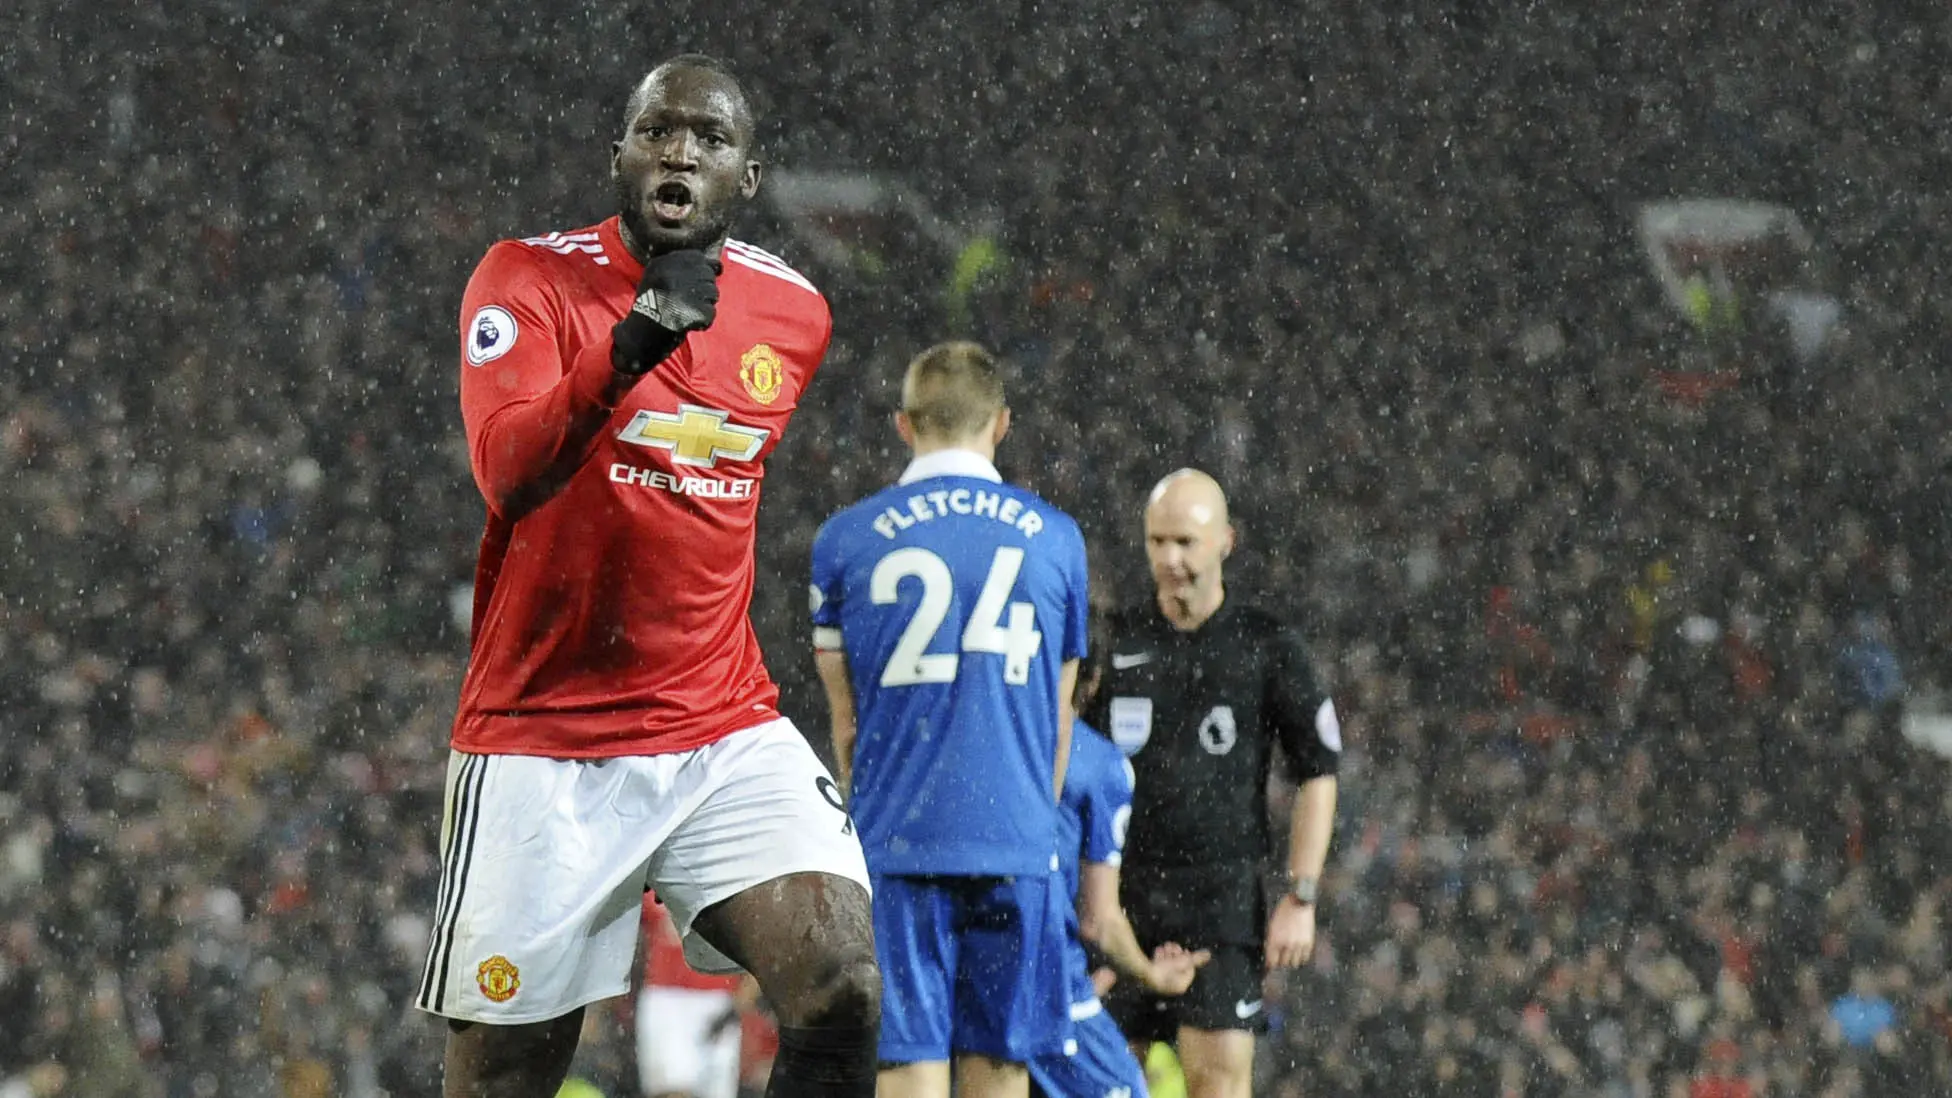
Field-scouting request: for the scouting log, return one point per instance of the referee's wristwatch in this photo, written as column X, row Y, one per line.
column 1304, row 890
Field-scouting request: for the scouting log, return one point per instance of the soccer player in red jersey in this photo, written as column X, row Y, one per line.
column 622, row 386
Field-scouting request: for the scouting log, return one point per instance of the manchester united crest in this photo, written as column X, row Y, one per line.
column 762, row 372
column 498, row 978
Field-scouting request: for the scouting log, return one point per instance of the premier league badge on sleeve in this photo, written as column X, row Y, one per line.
column 490, row 334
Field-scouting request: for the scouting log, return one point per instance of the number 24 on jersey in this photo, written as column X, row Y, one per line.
column 1016, row 640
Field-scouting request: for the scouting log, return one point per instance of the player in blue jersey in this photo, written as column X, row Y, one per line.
column 949, row 617
column 1095, row 1061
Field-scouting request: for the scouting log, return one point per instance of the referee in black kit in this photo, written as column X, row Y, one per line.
column 1199, row 691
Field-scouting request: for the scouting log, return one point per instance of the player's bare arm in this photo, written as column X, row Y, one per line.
column 1067, row 711
column 832, row 665
column 1102, row 922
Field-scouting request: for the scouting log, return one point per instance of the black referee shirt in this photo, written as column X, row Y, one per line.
column 1200, row 714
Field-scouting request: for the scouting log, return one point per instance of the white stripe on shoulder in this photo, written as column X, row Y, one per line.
column 570, row 244
column 748, row 256
column 757, row 252
column 761, row 255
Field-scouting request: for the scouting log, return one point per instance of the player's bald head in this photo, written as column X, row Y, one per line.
column 1190, row 496
column 712, row 69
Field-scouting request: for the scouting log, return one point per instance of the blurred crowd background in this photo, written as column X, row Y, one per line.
column 1639, row 617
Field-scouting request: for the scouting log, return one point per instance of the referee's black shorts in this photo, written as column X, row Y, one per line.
column 1225, row 995
column 1219, row 908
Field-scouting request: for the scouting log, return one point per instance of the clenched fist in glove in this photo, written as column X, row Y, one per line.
column 678, row 294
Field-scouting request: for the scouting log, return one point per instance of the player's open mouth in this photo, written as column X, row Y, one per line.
column 671, row 202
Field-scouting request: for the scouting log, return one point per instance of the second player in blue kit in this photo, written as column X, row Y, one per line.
column 950, row 612
column 1094, row 1061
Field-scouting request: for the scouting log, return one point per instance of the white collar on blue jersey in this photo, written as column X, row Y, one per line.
column 950, row 463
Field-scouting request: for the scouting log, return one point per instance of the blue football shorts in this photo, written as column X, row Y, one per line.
column 965, row 964
column 1095, row 1061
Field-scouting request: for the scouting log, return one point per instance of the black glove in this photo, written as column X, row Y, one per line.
column 678, row 294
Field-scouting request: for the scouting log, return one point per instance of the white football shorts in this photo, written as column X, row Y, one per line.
column 686, row 1044
column 545, row 862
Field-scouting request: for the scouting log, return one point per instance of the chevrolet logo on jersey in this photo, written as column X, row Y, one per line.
column 694, row 435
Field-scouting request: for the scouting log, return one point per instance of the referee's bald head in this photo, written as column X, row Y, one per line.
column 1187, row 537
column 1192, row 493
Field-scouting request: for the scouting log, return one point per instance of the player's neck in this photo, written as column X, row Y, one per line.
column 1189, row 612
column 981, row 447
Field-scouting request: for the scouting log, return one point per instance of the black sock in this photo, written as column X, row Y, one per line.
column 824, row 1062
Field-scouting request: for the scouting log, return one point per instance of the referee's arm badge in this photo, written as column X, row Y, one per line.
column 1131, row 723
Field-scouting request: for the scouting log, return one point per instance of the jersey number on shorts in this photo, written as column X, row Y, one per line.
column 909, row 664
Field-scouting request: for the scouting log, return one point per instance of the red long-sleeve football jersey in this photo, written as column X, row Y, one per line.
column 611, row 617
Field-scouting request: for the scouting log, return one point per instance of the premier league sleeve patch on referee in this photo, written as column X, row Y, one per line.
column 491, row 334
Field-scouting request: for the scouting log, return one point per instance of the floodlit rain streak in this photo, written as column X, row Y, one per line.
column 1573, row 373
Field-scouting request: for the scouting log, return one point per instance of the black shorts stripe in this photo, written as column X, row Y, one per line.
column 457, row 799
column 461, row 885
column 465, row 814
